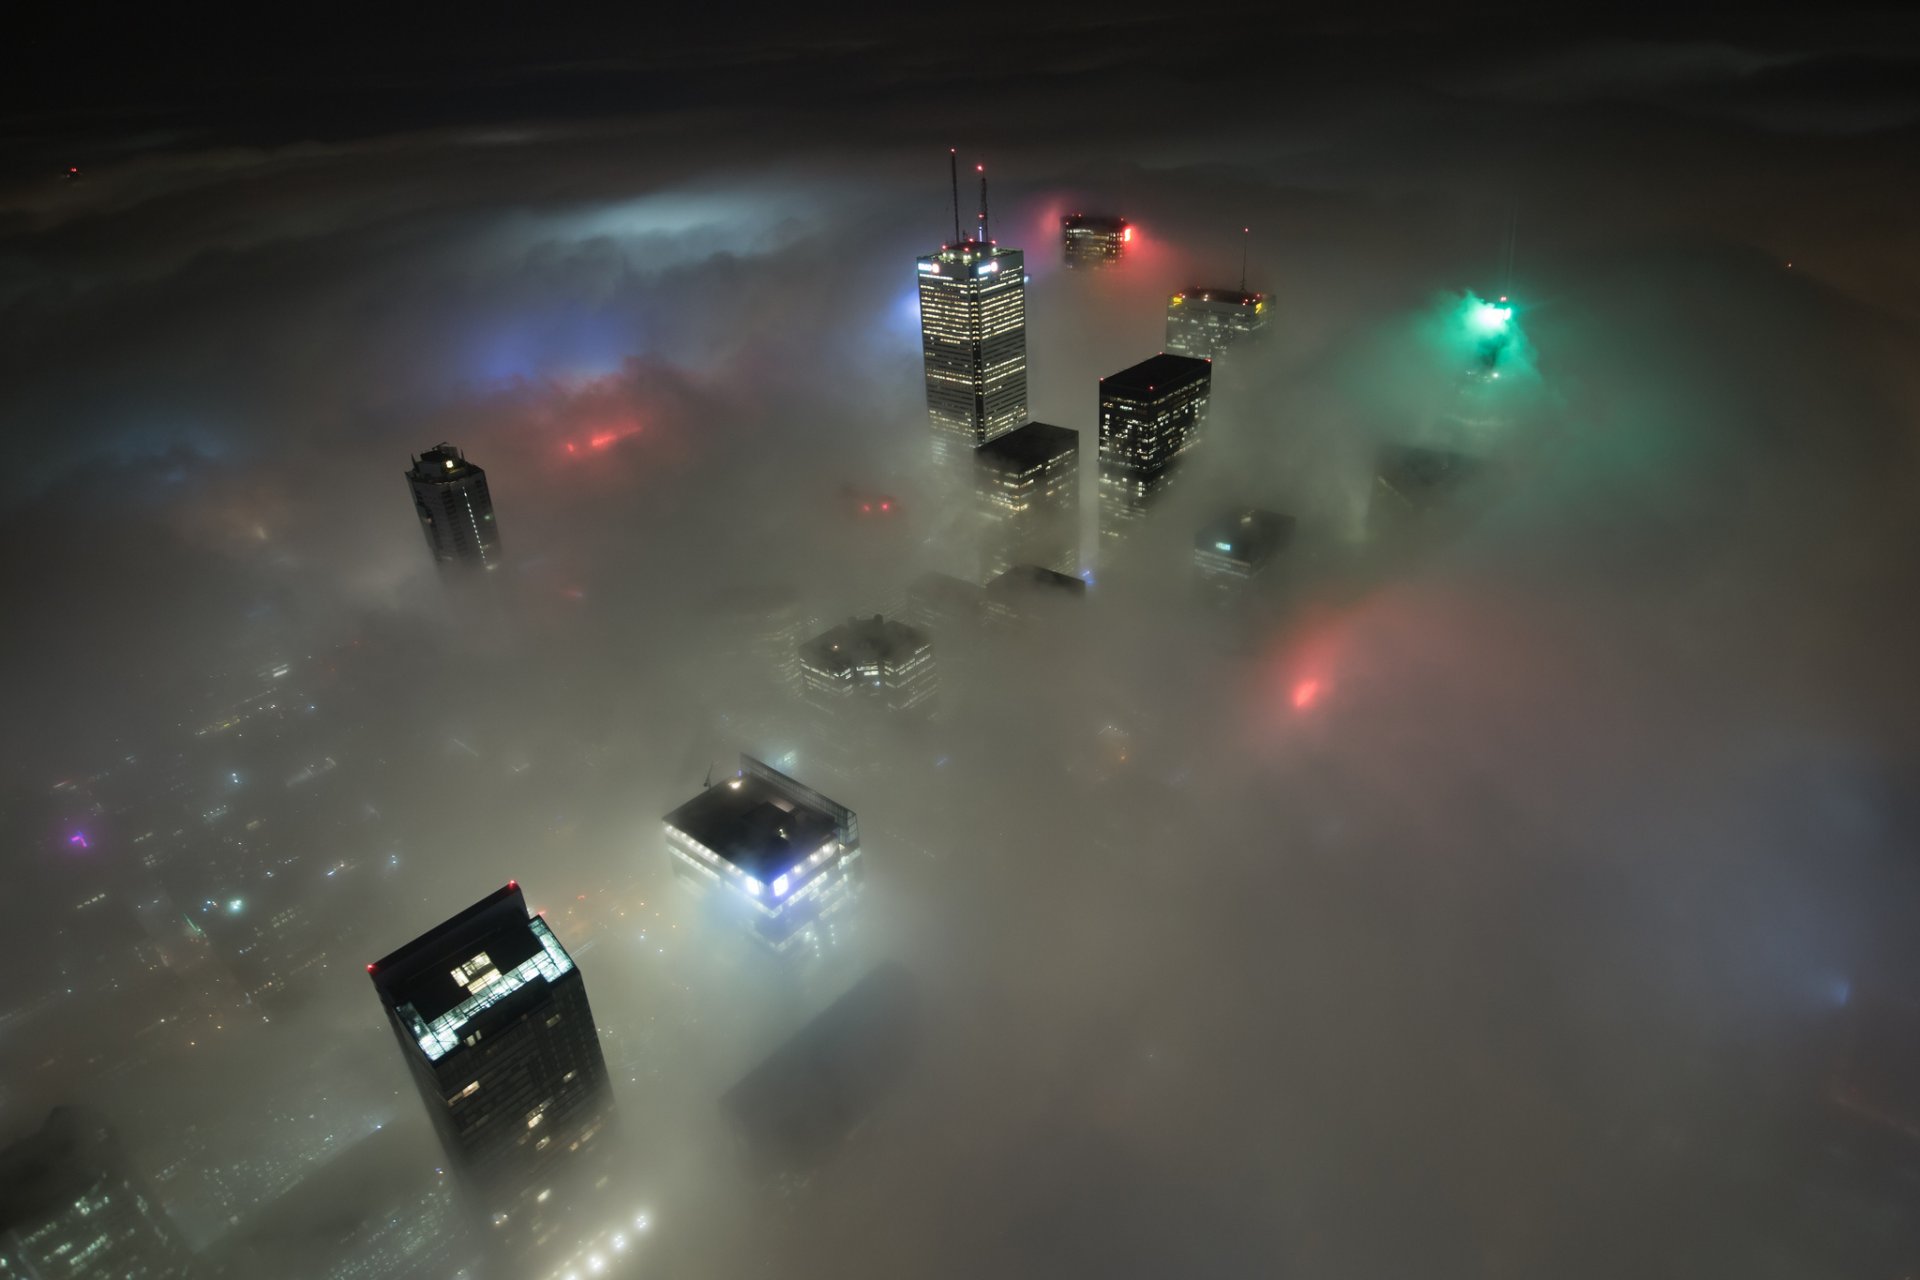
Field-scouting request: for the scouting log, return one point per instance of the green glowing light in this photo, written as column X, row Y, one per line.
column 1491, row 317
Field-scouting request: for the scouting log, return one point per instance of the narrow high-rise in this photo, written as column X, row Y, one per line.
column 456, row 511
column 973, row 337
column 492, row 1017
column 69, row 1207
column 1028, row 495
column 1150, row 414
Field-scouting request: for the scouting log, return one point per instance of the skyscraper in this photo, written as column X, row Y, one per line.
column 872, row 662
column 492, row 1017
column 69, row 1208
column 781, row 857
column 1150, row 414
column 1203, row 322
column 1029, row 498
column 1093, row 239
column 1240, row 546
column 456, row 511
column 973, row 337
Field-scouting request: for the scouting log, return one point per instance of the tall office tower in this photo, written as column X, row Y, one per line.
column 1150, row 414
column 1093, row 239
column 781, row 858
column 1204, row 322
column 455, row 509
column 973, row 336
column 492, row 1017
column 1240, row 546
column 69, row 1208
column 1029, row 498
column 873, row 662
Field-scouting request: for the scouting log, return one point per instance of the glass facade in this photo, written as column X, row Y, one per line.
column 973, row 333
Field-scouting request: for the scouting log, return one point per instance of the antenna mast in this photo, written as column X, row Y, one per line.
column 953, row 164
column 983, row 202
column 1245, row 234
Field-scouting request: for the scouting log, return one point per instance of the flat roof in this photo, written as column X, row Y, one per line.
column 442, row 462
column 1201, row 293
column 876, row 640
column 1413, row 469
column 1249, row 535
column 754, row 825
column 1027, row 447
column 1033, row 577
column 1106, row 222
column 421, row 972
column 1163, row 371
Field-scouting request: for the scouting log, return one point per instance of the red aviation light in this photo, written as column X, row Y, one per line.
column 1305, row 693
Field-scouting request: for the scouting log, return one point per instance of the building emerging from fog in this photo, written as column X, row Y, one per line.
column 1031, row 592
column 1028, row 484
column 69, row 1208
column 492, row 1017
column 778, row 855
column 973, row 337
column 1240, row 546
column 1203, row 322
column 1150, row 414
column 1093, row 239
column 872, row 662
column 1412, row 488
column 455, row 509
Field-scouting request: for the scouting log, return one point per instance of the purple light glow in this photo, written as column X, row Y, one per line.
column 79, row 840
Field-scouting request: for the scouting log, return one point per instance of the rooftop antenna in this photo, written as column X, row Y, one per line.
column 1513, row 234
column 953, row 164
column 709, row 781
column 982, row 169
column 1245, row 234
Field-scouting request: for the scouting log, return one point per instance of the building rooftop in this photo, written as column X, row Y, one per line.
column 1025, row 448
column 1410, row 470
column 1157, row 373
column 758, row 827
column 1249, row 535
column 1034, row 578
column 1238, row 298
column 442, row 462
column 1101, row 223
column 864, row 642
column 449, row 975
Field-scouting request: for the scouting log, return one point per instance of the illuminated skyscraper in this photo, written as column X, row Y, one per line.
column 456, row 511
column 1093, row 239
column 973, row 336
column 492, row 1018
column 782, row 858
column 1204, row 322
column 70, row 1209
column 1150, row 414
column 1029, row 498
column 873, row 662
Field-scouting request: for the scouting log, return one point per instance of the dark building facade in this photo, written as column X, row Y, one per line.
column 71, row 1210
column 492, row 1017
column 1093, row 239
column 455, row 508
column 1028, row 485
column 1150, row 414
column 1203, row 322
column 1414, row 490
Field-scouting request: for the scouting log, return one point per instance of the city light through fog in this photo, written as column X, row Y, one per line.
column 685, row 650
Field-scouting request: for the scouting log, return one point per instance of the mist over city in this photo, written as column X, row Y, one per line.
column 1233, row 644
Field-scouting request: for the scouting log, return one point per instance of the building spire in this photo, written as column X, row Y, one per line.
column 953, row 165
column 1245, row 234
column 982, row 169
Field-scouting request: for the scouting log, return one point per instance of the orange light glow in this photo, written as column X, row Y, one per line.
column 1128, row 235
column 1305, row 693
